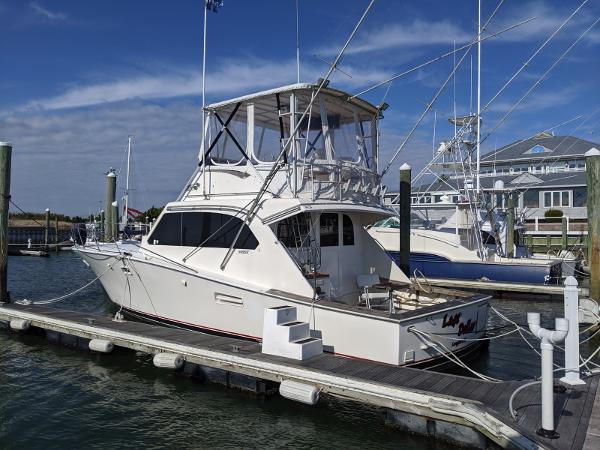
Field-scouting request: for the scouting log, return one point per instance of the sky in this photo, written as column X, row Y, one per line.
column 79, row 77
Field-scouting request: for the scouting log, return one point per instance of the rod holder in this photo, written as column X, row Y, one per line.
column 548, row 339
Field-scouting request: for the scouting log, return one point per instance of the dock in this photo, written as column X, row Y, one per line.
column 499, row 287
column 458, row 409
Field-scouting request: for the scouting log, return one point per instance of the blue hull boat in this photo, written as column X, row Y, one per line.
column 435, row 266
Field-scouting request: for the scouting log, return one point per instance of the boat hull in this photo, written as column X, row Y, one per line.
column 145, row 286
column 435, row 266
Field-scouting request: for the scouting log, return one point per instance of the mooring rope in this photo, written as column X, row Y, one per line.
column 70, row 294
column 454, row 358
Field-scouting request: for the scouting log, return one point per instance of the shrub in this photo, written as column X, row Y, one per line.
column 553, row 213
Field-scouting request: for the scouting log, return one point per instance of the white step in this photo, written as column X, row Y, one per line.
column 291, row 338
column 296, row 330
column 282, row 314
column 309, row 347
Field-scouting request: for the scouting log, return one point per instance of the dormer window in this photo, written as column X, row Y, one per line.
column 537, row 149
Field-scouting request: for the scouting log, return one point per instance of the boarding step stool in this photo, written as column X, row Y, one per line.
column 284, row 335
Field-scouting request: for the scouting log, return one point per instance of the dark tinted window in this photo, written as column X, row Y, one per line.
column 167, row 231
column 191, row 229
column 347, row 231
column 329, row 230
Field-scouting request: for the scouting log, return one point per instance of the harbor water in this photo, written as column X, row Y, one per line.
column 55, row 397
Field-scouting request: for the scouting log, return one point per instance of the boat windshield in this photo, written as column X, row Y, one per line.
column 256, row 130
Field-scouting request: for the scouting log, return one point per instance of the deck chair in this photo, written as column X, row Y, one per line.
column 370, row 295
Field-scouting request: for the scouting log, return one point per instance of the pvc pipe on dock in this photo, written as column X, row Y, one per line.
column 548, row 338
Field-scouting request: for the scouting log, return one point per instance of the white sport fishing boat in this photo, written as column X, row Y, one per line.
column 275, row 216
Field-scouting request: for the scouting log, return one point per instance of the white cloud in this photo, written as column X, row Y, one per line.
column 46, row 14
column 229, row 78
column 538, row 101
column 547, row 19
column 65, row 153
column 402, row 35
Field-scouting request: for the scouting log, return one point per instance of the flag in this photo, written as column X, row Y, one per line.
column 134, row 213
column 214, row 5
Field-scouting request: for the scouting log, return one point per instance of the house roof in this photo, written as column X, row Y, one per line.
column 542, row 146
column 521, row 181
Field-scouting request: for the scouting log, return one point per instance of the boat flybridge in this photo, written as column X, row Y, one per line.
column 274, row 217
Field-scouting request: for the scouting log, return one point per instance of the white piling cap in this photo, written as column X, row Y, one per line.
column 592, row 152
column 115, row 204
column 570, row 281
column 5, row 144
column 405, row 166
column 47, row 210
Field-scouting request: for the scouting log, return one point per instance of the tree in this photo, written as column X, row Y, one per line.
column 152, row 213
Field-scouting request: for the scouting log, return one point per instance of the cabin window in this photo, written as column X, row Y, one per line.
column 329, row 230
column 193, row 229
column 167, row 231
column 347, row 230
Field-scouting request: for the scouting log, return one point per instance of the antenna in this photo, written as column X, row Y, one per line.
column 478, row 95
column 454, row 101
column 471, row 91
column 297, row 46
column 434, row 123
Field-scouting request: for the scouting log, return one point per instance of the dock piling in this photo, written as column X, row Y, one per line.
column 404, row 216
column 5, row 163
column 114, row 214
column 592, row 168
column 46, row 228
column 510, row 226
column 111, row 189
column 565, row 233
column 56, row 234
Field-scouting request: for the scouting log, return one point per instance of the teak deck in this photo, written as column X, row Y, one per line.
column 465, row 401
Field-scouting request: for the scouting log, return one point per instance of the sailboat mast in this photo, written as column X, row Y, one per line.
column 478, row 96
column 126, row 214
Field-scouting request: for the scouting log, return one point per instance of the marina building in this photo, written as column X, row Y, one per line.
column 546, row 172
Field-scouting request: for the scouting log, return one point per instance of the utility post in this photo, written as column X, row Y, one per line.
column 592, row 168
column 5, row 160
column 404, row 216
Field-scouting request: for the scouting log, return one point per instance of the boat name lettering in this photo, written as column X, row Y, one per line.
column 451, row 321
column 464, row 328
